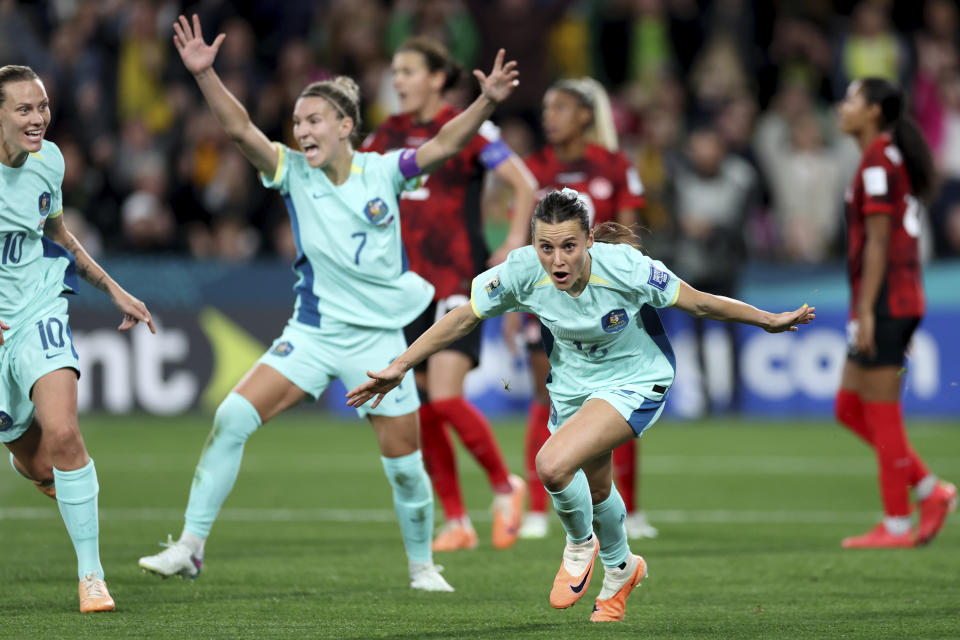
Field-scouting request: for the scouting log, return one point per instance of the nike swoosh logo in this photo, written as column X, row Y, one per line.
column 54, row 356
column 400, row 399
column 579, row 587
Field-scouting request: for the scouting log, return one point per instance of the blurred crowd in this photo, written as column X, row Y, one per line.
column 726, row 107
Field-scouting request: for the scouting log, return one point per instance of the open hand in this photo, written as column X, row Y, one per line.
column 379, row 384
column 498, row 86
column 196, row 54
column 134, row 311
column 789, row 320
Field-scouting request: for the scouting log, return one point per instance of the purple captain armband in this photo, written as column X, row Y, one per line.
column 408, row 164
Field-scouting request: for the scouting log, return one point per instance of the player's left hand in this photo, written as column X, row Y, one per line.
column 789, row 320
column 498, row 86
column 134, row 311
column 866, row 344
column 379, row 384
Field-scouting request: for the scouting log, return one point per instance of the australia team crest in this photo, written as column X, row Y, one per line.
column 44, row 203
column 284, row 348
column 6, row 421
column 377, row 211
column 615, row 321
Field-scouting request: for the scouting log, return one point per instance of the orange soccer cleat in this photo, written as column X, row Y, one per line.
column 612, row 609
column 454, row 536
column 94, row 595
column 508, row 514
column 934, row 510
column 879, row 538
column 575, row 572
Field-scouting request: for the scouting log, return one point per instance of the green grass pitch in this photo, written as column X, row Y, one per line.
column 750, row 515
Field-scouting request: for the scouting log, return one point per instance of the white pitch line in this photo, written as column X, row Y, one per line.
column 673, row 516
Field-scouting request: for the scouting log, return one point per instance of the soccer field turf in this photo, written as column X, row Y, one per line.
column 750, row 516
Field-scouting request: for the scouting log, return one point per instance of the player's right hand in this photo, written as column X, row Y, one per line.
column 379, row 384
column 197, row 55
column 2, row 328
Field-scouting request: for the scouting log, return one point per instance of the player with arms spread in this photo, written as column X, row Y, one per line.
column 611, row 367
column 354, row 291
column 443, row 237
column 39, row 262
column 886, row 305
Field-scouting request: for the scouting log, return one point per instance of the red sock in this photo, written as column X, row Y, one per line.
column 477, row 437
column 893, row 455
column 537, row 434
column 625, row 473
column 438, row 458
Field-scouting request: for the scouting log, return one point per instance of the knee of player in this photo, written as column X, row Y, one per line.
column 553, row 471
column 63, row 444
column 236, row 418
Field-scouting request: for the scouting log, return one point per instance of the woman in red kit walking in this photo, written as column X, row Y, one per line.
column 887, row 303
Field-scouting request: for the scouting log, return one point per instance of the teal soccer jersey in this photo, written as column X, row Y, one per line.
column 33, row 269
column 608, row 337
column 351, row 264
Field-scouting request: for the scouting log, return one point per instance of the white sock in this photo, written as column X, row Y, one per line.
column 926, row 486
column 614, row 577
column 194, row 543
column 897, row 525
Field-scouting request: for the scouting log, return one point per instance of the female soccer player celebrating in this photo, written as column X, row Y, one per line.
column 354, row 293
column 583, row 154
column 39, row 261
column 887, row 303
column 443, row 237
column 611, row 366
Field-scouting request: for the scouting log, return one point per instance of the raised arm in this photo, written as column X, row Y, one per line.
column 198, row 58
column 454, row 136
column 524, row 185
column 450, row 327
column 133, row 310
column 707, row 305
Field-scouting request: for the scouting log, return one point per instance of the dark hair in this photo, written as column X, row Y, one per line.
column 341, row 92
column 436, row 56
column 917, row 158
column 14, row 73
column 566, row 204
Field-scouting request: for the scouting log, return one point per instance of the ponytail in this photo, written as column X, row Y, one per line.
column 616, row 233
column 917, row 158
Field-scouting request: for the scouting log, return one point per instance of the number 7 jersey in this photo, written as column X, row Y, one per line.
column 33, row 269
column 882, row 187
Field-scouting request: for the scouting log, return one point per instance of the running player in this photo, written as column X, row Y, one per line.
column 611, row 367
column 39, row 261
column 582, row 153
column 354, row 292
column 886, row 305
column 443, row 236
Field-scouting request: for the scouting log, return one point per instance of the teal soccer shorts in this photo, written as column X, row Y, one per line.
column 312, row 357
column 640, row 412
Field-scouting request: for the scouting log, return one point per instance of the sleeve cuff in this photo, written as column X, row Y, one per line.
column 476, row 312
column 281, row 158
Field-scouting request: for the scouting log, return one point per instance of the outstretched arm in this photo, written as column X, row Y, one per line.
column 133, row 310
column 450, row 327
column 198, row 58
column 454, row 136
column 707, row 305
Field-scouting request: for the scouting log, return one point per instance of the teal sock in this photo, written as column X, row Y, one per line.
column 413, row 502
column 77, row 498
column 572, row 504
column 236, row 419
column 608, row 519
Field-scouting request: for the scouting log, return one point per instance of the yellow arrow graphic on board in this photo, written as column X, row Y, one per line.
column 234, row 353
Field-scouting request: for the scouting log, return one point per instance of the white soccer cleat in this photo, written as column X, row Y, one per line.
column 637, row 526
column 175, row 560
column 535, row 526
column 425, row 576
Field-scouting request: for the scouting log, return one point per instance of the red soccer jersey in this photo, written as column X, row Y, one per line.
column 606, row 178
column 882, row 187
column 441, row 223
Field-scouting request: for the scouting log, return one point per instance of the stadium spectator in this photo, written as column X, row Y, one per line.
column 869, row 47
column 609, row 376
column 40, row 262
column 443, row 238
column 446, row 21
column 887, row 303
column 357, row 284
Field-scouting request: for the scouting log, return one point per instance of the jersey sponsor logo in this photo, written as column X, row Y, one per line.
column 6, row 421
column 494, row 287
column 376, row 211
column 44, row 203
column 658, row 278
column 615, row 321
column 282, row 349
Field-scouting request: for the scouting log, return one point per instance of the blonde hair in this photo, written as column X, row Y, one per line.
column 593, row 96
column 342, row 93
